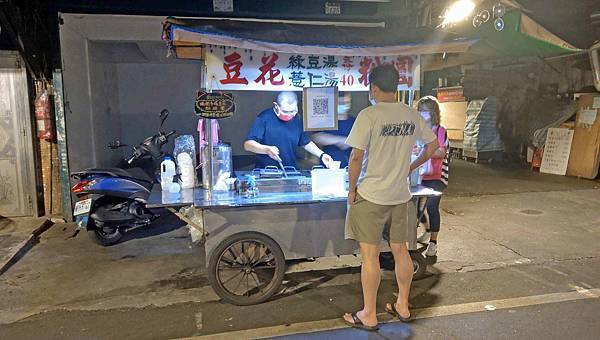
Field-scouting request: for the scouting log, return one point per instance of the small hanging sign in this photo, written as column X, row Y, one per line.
column 223, row 6
column 214, row 105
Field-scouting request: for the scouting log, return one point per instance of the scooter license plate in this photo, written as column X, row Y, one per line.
column 81, row 221
column 82, row 207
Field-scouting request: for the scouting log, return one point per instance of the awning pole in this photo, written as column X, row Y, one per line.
column 209, row 172
column 208, row 135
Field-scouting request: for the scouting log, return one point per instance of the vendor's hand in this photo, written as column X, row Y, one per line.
column 326, row 160
column 351, row 197
column 273, row 152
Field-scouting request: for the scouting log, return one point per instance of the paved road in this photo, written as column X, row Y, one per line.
column 533, row 256
column 338, row 292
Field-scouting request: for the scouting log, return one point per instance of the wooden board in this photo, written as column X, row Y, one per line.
column 585, row 149
column 453, row 117
column 456, row 135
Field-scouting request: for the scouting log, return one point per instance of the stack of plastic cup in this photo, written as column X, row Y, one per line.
column 187, row 171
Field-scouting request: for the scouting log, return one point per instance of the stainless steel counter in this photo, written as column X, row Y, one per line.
column 200, row 198
column 160, row 199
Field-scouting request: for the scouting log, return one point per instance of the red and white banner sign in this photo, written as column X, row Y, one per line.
column 239, row 69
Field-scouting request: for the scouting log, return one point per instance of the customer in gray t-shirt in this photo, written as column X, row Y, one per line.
column 382, row 139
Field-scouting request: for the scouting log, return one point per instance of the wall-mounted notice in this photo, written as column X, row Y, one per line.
column 557, row 151
column 320, row 108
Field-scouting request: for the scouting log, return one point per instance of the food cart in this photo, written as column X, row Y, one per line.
column 251, row 242
column 276, row 224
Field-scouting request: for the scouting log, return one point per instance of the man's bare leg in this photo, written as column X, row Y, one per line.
column 370, row 276
column 404, row 274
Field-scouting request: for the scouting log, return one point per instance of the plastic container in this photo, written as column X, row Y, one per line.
column 222, row 164
column 167, row 172
column 415, row 175
column 174, row 188
column 328, row 182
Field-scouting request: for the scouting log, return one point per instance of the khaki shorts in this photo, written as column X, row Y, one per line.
column 368, row 222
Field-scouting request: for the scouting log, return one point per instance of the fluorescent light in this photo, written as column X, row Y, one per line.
column 459, row 11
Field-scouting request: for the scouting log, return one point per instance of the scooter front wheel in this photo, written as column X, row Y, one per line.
column 106, row 236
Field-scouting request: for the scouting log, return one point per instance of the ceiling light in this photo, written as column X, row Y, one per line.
column 459, row 11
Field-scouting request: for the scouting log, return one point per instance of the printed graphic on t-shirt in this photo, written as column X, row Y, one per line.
column 397, row 129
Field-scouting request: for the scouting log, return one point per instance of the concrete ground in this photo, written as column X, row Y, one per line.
column 518, row 258
column 17, row 235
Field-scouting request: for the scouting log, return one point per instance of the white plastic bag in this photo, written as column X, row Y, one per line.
column 185, row 155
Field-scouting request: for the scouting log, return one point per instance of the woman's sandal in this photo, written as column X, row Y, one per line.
column 357, row 323
column 393, row 311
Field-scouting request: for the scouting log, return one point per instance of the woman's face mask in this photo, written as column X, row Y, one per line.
column 426, row 116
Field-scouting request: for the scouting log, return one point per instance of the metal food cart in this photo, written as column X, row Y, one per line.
column 251, row 242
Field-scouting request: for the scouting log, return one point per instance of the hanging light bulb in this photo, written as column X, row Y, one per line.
column 459, row 11
column 499, row 10
column 484, row 15
column 499, row 24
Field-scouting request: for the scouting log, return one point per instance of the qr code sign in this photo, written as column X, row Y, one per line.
column 320, row 106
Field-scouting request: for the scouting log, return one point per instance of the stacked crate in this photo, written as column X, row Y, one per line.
column 481, row 136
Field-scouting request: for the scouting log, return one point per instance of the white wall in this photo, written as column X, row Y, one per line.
column 106, row 118
column 145, row 89
column 91, row 84
column 78, row 116
column 117, row 79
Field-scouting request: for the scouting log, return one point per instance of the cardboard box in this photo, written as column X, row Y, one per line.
column 453, row 118
column 584, row 160
column 455, row 134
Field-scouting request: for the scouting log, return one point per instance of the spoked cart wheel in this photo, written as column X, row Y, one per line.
column 418, row 260
column 246, row 268
column 419, row 264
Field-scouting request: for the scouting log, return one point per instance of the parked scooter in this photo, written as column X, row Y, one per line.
column 112, row 201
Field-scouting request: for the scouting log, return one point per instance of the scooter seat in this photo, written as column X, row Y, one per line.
column 136, row 174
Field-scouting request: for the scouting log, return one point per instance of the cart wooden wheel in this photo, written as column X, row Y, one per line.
column 246, row 268
column 419, row 265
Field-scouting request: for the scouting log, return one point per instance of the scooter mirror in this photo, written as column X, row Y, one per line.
column 116, row 144
column 163, row 116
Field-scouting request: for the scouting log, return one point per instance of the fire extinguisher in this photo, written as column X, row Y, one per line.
column 43, row 114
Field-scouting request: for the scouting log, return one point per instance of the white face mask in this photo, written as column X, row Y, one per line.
column 343, row 109
column 426, row 115
column 371, row 99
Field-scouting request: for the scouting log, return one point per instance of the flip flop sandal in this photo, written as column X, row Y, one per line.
column 393, row 311
column 357, row 323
